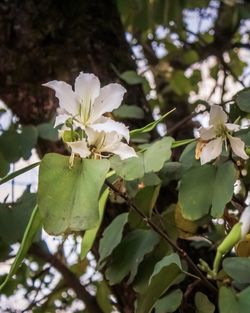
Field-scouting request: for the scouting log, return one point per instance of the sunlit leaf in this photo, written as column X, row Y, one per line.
column 68, row 197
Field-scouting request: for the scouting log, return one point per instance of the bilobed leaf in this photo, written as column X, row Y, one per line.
column 128, row 169
column 112, row 236
column 129, row 111
column 157, row 154
column 202, row 304
column 196, row 191
column 223, row 188
column 205, row 187
column 165, row 274
column 243, row 100
column 68, row 197
column 238, row 268
column 227, row 301
column 126, row 258
column 169, row 303
column 30, row 232
column 90, row 235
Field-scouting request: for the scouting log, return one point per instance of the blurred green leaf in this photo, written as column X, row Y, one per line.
column 165, row 274
column 202, row 304
column 30, row 232
column 129, row 112
column 238, row 268
column 227, row 301
column 112, row 236
column 169, row 303
column 131, row 78
column 14, row 217
column 243, row 100
column 103, row 295
column 127, row 256
column 47, row 131
column 68, row 197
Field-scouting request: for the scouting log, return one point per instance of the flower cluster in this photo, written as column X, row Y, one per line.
column 84, row 127
column 211, row 138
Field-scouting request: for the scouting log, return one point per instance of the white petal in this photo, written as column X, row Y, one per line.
column 61, row 119
column 207, row 133
column 211, row 151
column 238, row 147
column 65, row 94
column 87, row 87
column 217, row 115
column 124, row 151
column 108, row 125
column 232, row 127
column 245, row 221
column 79, row 147
column 110, row 98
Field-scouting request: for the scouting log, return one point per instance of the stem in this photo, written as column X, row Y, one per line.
column 159, row 231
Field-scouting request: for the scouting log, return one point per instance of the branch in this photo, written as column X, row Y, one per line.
column 183, row 254
column 70, row 278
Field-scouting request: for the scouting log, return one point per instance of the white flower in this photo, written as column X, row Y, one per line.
column 87, row 103
column 245, row 222
column 101, row 142
column 217, row 133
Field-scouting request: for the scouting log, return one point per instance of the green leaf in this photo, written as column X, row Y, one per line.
column 157, row 154
column 131, row 78
column 150, row 126
column 238, row 268
column 223, row 188
column 202, row 304
column 18, row 173
column 196, row 192
column 227, row 301
column 180, row 83
column 206, row 186
column 243, row 100
column 90, row 235
column 128, row 169
column 47, row 131
column 112, row 236
column 30, row 232
column 244, row 300
column 103, row 294
column 127, row 256
column 129, row 111
column 68, row 197
column 187, row 158
column 4, row 166
column 14, row 217
column 169, row 303
column 165, row 274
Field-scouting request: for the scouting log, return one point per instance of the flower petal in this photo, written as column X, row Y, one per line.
column 61, row 119
column 87, row 87
column 108, row 125
column 66, row 96
column 110, row 98
column 211, row 151
column 238, row 147
column 79, row 147
column 207, row 133
column 124, row 151
column 232, row 127
column 217, row 115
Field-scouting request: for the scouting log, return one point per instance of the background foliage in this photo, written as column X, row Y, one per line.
column 178, row 54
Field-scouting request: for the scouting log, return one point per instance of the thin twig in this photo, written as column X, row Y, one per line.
column 159, row 231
